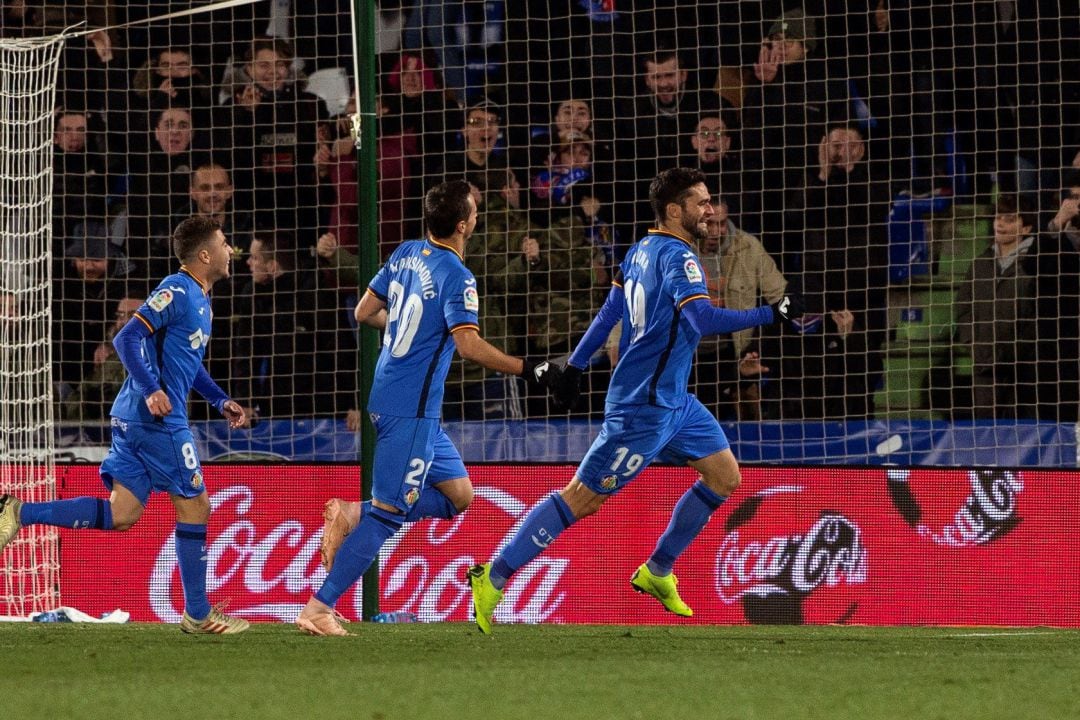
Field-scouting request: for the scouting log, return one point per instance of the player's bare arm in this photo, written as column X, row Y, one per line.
column 371, row 311
column 475, row 348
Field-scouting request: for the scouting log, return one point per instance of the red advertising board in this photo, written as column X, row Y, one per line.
column 803, row 545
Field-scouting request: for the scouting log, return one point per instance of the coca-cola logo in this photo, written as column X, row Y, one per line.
column 773, row 568
column 985, row 511
column 268, row 571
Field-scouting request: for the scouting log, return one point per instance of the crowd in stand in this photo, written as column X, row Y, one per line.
column 808, row 119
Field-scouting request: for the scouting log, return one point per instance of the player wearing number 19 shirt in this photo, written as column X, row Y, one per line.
column 661, row 298
column 426, row 301
column 152, row 449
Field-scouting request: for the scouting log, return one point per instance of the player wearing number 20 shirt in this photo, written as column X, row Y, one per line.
column 430, row 295
column 425, row 301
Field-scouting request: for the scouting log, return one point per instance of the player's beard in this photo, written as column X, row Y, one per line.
column 698, row 231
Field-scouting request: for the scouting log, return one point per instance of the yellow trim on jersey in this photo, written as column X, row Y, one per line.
column 658, row 231
column 205, row 288
column 144, row 322
column 446, row 247
column 693, row 297
column 464, row 326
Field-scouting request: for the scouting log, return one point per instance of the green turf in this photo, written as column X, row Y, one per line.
column 545, row 672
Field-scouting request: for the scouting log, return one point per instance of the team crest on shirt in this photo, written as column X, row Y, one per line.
column 609, row 481
column 412, row 496
column 196, row 480
column 693, row 271
column 161, row 299
column 472, row 299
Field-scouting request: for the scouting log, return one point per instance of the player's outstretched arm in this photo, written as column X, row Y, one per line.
column 371, row 311
column 472, row 347
column 709, row 320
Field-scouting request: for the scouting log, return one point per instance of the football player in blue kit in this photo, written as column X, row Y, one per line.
column 153, row 450
column 660, row 296
column 426, row 302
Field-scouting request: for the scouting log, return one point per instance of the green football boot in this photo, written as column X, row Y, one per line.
column 664, row 589
column 485, row 596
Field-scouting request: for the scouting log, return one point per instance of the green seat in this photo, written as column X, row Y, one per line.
column 903, row 382
column 927, row 317
column 959, row 238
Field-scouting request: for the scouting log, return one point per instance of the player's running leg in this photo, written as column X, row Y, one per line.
column 192, row 515
column 355, row 556
column 340, row 517
column 119, row 512
column 441, row 500
column 719, row 478
column 541, row 526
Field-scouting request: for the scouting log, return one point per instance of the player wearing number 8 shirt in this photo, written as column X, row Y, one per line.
column 152, row 450
column 661, row 297
column 426, row 301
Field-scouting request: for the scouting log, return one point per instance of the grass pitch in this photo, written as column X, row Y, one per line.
column 549, row 672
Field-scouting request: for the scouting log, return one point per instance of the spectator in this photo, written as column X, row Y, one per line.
column 783, row 116
column 716, row 155
column 473, row 392
column 211, row 192
column 271, row 128
column 739, row 275
column 574, row 116
column 665, row 110
column 995, row 313
column 335, row 162
column 1055, row 264
column 170, row 73
column 84, row 297
column 160, row 185
column 484, row 147
column 93, row 397
column 417, row 106
column 79, row 176
column 211, row 195
column 836, row 249
column 274, row 333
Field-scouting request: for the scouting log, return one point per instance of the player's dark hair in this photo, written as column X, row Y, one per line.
column 191, row 234
column 672, row 186
column 445, row 205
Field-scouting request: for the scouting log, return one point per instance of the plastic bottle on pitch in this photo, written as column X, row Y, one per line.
column 398, row 616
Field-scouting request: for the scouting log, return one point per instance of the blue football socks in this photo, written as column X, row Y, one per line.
column 357, row 553
column 690, row 516
column 191, row 557
column 432, row 504
column 79, row 513
column 542, row 525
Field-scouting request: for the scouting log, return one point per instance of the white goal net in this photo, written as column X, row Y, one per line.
column 28, row 71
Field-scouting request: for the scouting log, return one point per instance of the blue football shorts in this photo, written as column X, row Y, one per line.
column 410, row 453
column 153, row 457
column 635, row 435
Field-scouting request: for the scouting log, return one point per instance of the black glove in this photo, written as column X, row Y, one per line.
column 788, row 308
column 567, row 388
column 540, row 372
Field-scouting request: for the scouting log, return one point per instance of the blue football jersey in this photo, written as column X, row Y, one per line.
column 178, row 315
column 661, row 273
column 429, row 294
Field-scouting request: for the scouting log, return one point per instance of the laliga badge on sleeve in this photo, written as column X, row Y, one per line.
column 472, row 300
column 161, row 299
